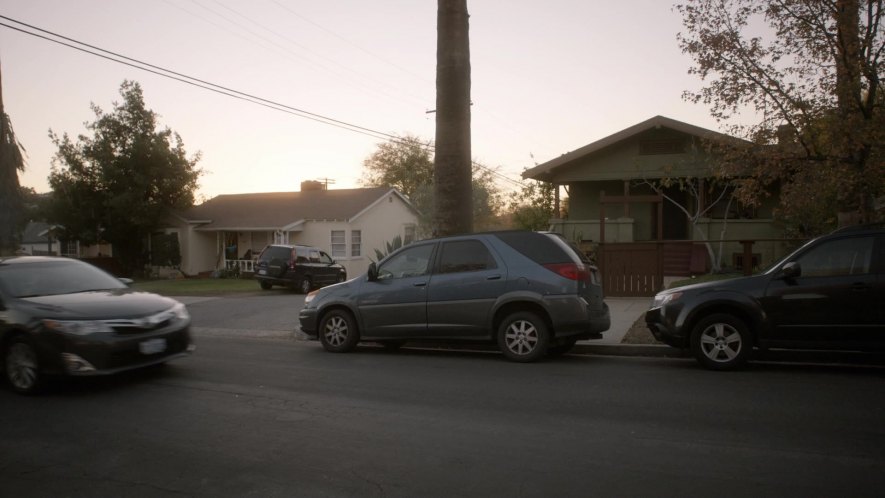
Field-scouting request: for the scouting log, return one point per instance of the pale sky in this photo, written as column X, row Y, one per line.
column 547, row 77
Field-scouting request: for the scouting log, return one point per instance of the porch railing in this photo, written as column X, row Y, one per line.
column 240, row 265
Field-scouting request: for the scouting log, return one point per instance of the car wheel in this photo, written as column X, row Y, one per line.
column 22, row 368
column 341, row 278
column 338, row 333
column 266, row 285
column 304, row 285
column 721, row 342
column 523, row 337
column 561, row 348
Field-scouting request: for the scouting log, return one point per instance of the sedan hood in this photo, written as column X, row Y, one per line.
column 110, row 304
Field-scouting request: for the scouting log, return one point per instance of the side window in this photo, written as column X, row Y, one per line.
column 314, row 256
column 324, row 258
column 852, row 256
column 301, row 255
column 411, row 262
column 464, row 256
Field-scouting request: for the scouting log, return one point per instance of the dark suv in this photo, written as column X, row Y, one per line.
column 298, row 267
column 531, row 293
column 828, row 294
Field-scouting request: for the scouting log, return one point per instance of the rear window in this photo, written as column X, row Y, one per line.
column 538, row 247
column 275, row 252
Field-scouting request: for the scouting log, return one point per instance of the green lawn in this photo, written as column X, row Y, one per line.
column 198, row 286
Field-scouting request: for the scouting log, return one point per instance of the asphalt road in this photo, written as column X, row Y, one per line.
column 266, row 415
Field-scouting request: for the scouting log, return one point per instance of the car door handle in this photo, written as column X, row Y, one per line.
column 859, row 287
column 420, row 284
column 494, row 277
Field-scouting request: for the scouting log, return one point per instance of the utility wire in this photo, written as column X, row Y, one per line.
column 206, row 85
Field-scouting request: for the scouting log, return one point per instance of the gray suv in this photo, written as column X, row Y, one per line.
column 531, row 293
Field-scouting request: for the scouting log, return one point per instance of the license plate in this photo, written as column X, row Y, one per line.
column 262, row 272
column 152, row 346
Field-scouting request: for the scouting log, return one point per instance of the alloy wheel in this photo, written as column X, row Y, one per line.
column 720, row 342
column 21, row 367
column 521, row 337
column 336, row 331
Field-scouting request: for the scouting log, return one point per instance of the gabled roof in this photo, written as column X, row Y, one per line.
column 284, row 210
column 542, row 171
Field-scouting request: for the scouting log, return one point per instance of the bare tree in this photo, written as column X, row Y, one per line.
column 452, row 166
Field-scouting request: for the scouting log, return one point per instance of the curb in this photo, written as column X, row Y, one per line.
column 649, row 350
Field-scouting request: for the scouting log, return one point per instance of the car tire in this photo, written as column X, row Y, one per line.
column 21, row 366
column 338, row 332
column 561, row 348
column 341, row 278
column 721, row 342
column 266, row 285
column 304, row 285
column 523, row 337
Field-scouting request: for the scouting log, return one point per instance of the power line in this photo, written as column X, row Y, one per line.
column 220, row 89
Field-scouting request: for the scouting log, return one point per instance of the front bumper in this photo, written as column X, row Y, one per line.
column 663, row 330
column 111, row 353
column 307, row 320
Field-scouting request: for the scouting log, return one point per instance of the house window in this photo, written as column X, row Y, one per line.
column 339, row 244
column 70, row 249
column 409, row 235
column 356, row 243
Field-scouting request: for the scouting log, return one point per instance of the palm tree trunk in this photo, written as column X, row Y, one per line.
column 452, row 171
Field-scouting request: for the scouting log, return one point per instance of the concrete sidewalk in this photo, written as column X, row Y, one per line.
column 624, row 313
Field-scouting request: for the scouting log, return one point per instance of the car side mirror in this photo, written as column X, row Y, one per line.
column 791, row 270
column 373, row 272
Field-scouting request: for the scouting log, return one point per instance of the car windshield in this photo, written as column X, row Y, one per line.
column 54, row 277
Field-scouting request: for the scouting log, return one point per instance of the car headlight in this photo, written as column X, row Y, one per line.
column 180, row 312
column 310, row 297
column 664, row 298
column 78, row 327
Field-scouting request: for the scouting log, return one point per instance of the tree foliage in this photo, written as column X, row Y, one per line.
column 811, row 70
column 404, row 164
column 118, row 183
column 533, row 206
column 11, row 202
column 407, row 164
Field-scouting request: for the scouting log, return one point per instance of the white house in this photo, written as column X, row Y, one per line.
column 349, row 224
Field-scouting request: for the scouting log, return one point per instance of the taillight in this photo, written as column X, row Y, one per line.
column 571, row 271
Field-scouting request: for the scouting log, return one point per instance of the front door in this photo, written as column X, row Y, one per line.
column 834, row 298
column 395, row 305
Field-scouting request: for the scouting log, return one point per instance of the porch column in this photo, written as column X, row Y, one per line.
column 556, row 212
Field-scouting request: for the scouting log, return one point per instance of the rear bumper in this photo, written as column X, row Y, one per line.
column 574, row 317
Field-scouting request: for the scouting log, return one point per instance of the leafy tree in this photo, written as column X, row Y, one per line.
column 404, row 164
column 407, row 165
column 452, row 210
column 11, row 205
column 815, row 79
column 117, row 184
column 532, row 207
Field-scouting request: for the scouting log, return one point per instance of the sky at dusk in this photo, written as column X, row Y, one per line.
column 547, row 78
